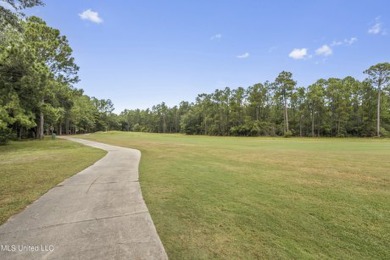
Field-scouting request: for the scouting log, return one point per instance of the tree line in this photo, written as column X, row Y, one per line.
column 329, row 107
column 37, row 74
column 37, row 97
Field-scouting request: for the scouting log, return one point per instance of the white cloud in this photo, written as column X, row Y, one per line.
column 243, row 56
column 216, row 37
column 350, row 41
column 346, row 42
column 377, row 28
column 91, row 16
column 298, row 54
column 336, row 43
column 324, row 50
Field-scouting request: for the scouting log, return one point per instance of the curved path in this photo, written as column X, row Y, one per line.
column 98, row 213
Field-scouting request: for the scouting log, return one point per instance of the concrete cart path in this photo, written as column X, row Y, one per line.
column 98, row 213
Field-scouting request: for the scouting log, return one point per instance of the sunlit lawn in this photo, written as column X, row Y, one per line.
column 272, row 198
column 28, row 169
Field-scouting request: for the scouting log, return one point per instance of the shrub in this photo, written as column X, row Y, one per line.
column 288, row 134
column 384, row 132
column 5, row 135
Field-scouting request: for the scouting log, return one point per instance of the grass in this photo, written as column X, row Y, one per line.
column 28, row 169
column 265, row 198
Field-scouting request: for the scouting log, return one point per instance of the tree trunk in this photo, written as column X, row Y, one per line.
column 300, row 125
column 312, row 124
column 67, row 126
column 164, row 125
column 286, row 114
column 205, row 125
column 41, row 125
column 378, row 116
column 338, row 127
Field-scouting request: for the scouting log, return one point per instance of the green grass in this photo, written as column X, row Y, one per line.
column 265, row 198
column 28, row 169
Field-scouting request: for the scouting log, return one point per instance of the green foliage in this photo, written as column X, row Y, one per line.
column 288, row 134
column 6, row 135
column 379, row 75
column 22, row 4
column 37, row 71
column 329, row 107
column 384, row 132
column 11, row 16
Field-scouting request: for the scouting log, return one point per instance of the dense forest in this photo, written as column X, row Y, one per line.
column 37, row 74
column 37, row 97
column 331, row 107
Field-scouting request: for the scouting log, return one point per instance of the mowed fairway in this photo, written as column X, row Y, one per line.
column 28, row 169
column 273, row 198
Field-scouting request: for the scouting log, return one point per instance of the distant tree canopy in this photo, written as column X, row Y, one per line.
column 328, row 107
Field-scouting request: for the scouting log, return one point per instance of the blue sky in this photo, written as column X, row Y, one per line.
column 140, row 53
